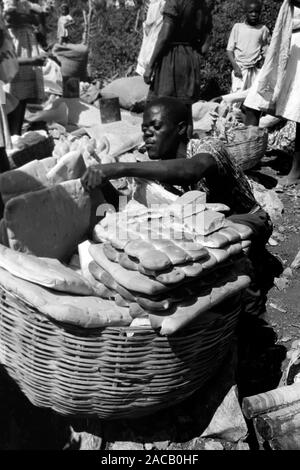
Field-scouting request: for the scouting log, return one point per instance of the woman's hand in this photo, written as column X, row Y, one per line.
column 148, row 75
column 93, row 177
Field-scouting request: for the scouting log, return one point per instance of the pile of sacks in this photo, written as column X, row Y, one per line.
column 170, row 264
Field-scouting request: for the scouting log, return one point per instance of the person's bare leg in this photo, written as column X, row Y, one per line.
column 16, row 118
column 4, row 162
column 190, row 126
column 294, row 175
column 252, row 117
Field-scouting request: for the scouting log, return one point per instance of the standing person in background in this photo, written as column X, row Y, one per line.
column 175, row 67
column 28, row 85
column 4, row 74
column 64, row 22
column 247, row 46
column 276, row 89
column 151, row 28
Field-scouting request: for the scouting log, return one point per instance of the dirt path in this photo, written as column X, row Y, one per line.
column 283, row 306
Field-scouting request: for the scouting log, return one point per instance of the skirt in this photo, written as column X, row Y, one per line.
column 28, row 84
column 179, row 74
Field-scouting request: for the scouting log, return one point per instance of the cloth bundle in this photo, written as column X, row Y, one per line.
column 166, row 267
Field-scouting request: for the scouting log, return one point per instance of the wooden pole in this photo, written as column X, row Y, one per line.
column 271, row 401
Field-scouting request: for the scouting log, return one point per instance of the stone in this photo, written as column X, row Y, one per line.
column 296, row 263
column 228, row 422
column 269, row 200
column 213, row 445
column 282, row 283
column 272, row 242
column 149, row 446
column 288, row 273
column 242, row 446
column 161, row 445
column 126, row 446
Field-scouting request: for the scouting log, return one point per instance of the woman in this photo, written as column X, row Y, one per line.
column 201, row 164
column 276, row 89
column 28, row 85
column 175, row 67
column 8, row 69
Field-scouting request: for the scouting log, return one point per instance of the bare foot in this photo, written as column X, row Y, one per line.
column 293, row 177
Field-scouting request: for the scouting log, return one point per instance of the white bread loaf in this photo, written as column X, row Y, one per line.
column 205, row 222
column 70, row 167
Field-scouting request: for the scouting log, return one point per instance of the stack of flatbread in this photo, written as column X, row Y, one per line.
column 169, row 264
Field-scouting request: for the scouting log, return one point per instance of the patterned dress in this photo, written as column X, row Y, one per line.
column 230, row 186
column 28, row 83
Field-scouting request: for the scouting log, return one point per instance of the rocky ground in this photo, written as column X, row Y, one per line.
column 283, row 306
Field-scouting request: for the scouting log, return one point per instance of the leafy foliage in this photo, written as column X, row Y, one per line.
column 115, row 40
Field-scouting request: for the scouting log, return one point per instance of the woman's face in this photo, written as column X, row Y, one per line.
column 160, row 134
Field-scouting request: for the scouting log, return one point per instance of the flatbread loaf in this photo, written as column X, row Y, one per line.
column 85, row 259
column 215, row 240
column 107, row 280
column 45, row 272
column 147, row 255
column 244, row 231
column 131, row 280
column 85, row 312
column 231, row 234
column 175, row 253
column 188, row 312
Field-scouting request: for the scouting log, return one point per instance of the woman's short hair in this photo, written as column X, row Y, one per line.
column 175, row 110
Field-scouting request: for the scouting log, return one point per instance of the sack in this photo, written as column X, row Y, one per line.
column 73, row 59
column 9, row 66
column 131, row 91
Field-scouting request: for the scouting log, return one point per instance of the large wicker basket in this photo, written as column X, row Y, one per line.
column 248, row 146
column 114, row 372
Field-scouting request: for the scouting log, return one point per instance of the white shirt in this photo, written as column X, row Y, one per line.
column 248, row 43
